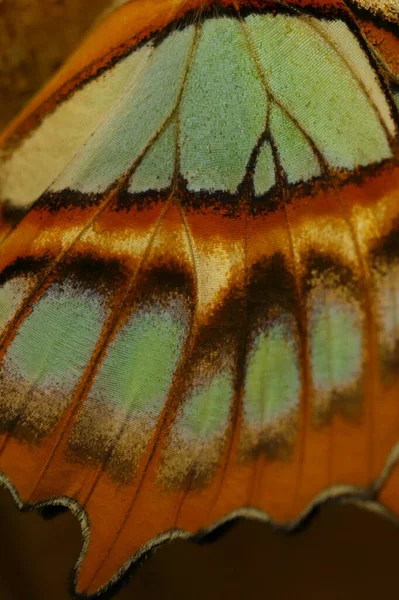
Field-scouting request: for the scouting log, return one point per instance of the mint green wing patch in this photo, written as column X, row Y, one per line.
column 197, row 437
column 296, row 155
column 338, row 34
column 265, row 170
column 336, row 343
column 273, row 381
column 130, row 388
column 47, row 358
column 218, row 82
column 43, row 155
column 308, row 76
column 223, row 110
column 56, row 341
column 134, row 121
column 138, row 368
column 205, row 414
column 155, row 172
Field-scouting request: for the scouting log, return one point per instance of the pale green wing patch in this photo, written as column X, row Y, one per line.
column 336, row 347
column 273, row 382
column 318, row 89
column 48, row 356
column 48, row 150
column 205, row 413
column 388, row 292
column 387, row 302
column 265, row 170
column 199, row 431
column 338, row 34
column 137, row 371
column 296, row 155
column 223, row 109
column 155, row 172
column 217, row 79
column 55, row 342
column 134, row 121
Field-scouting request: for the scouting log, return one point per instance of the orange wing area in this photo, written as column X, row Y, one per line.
column 343, row 457
column 331, row 453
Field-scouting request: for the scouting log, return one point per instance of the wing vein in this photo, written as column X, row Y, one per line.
column 166, row 410
column 324, row 168
column 81, row 149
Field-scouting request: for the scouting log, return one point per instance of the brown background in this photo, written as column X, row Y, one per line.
column 345, row 553
column 35, row 38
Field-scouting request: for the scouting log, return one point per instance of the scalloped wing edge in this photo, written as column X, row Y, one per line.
column 341, row 494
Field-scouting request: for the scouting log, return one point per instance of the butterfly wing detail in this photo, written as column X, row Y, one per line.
column 199, row 276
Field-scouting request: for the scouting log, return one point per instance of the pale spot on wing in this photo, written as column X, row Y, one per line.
column 129, row 244
column 336, row 346
column 297, row 157
column 63, row 235
column 205, row 413
column 273, row 384
column 327, row 235
column 388, row 297
column 217, row 269
column 273, row 381
column 389, row 8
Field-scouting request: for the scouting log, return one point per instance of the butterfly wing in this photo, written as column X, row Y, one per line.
column 199, row 276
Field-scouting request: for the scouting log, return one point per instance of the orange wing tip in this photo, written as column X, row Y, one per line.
column 381, row 498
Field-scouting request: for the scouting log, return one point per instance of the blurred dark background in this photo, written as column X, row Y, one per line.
column 344, row 553
column 35, row 38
